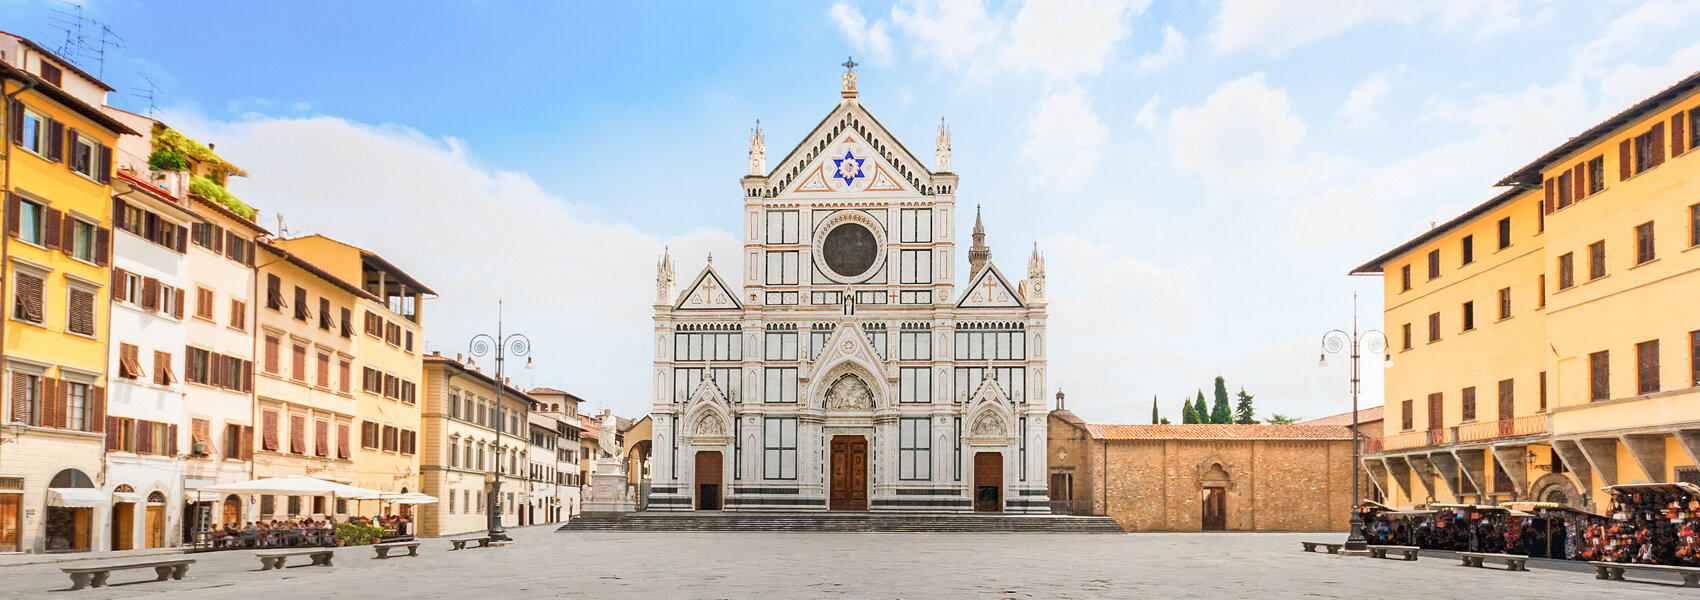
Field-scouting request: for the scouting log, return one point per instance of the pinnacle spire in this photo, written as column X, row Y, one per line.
column 978, row 254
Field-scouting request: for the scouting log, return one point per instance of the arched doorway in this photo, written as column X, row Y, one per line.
column 988, row 482
column 155, row 521
column 709, row 465
column 71, row 500
column 1215, row 509
column 232, row 511
column 124, row 517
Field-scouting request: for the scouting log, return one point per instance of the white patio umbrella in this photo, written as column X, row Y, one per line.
column 294, row 485
column 408, row 498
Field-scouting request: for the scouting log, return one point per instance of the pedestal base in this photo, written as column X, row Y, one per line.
column 609, row 498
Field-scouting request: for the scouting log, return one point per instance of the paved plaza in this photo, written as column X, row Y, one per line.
column 548, row 564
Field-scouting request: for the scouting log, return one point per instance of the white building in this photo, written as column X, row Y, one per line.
column 563, row 407
column 851, row 372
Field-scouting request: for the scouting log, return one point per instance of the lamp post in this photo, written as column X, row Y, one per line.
column 481, row 345
column 1335, row 342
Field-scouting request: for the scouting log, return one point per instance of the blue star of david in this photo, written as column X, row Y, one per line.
column 848, row 177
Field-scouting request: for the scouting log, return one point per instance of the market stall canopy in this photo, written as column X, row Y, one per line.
column 1367, row 503
column 408, row 498
column 1632, row 488
column 295, row 485
column 75, row 497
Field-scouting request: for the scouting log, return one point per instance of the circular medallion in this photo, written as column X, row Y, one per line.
column 850, row 249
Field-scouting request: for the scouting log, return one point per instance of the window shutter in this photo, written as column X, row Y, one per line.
column 63, row 401
column 177, row 307
column 182, row 241
column 1550, row 189
column 298, row 434
column 200, row 430
column 103, row 165
column 247, row 442
column 150, row 293
column 102, row 246
column 321, row 438
column 1625, row 159
column 217, row 238
column 112, row 434
column 347, row 323
column 144, row 437
column 50, row 228
column 12, row 208
column 269, row 422
column 97, row 410
column 342, row 441
column 119, row 290
column 1579, row 177
column 50, row 411
column 55, row 141
column 274, row 292
column 15, row 120
column 1658, row 144
column 171, row 439
column 248, row 376
column 68, row 235
column 1677, row 139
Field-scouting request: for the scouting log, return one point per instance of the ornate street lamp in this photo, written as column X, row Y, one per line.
column 516, row 345
column 1335, row 342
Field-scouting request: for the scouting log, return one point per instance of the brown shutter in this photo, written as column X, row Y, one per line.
column 20, row 389
column 97, row 410
column 15, row 120
column 1625, row 158
column 103, row 164
column 342, row 441
column 118, row 288
column 1579, row 177
column 1677, row 139
column 12, row 208
column 1550, row 189
column 217, row 239
column 298, row 434
column 1658, row 145
column 321, row 438
column 144, row 437
column 171, row 439
column 199, row 434
column 63, row 401
column 268, row 421
column 102, row 246
column 68, row 235
column 177, row 308
column 247, row 442
column 113, row 425
column 50, row 228
column 50, row 409
column 248, row 376
column 150, row 293
column 55, row 140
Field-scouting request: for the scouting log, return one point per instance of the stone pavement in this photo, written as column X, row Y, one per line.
column 548, row 564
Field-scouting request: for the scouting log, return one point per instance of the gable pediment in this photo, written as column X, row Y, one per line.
column 708, row 292
column 850, row 152
column 990, row 289
column 847, row 344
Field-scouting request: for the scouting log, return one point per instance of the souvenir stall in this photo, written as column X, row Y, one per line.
column 1650, row 523
column 1561, row 529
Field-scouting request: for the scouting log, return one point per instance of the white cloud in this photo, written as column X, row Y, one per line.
column 1063, row 38
column 1277, row 27
column 1244, row 136
column 1174, row 45
column 1359, row 111
column 953, row 32
column 577, row 287
column 869, row 39
column 1147, row 118
column 1064, row 139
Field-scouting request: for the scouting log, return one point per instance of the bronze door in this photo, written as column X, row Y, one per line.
column 708, row 480
column 849, row 473
column 988, row 482
column 1215, row 509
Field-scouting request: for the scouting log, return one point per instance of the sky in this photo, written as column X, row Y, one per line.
column 1200, row 174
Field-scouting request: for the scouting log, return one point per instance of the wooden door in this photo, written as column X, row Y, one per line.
column 1215, row 509
column 988, row 482
column 155, row 526
column 1062, row 493
column 708, row 468
column 11, row 515
column 232, row 512
column 849, row 473
column 123, row 526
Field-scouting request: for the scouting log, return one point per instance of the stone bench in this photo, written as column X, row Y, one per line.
column 460, row 543
column 1333, row 548
column 274, row 559
column 1513, row 562
column 1410, row 552
column 385, row 548
column 82, row 577
column 1614, row 571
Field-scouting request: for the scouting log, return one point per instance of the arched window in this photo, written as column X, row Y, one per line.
column 156, row 498
column 71, row 478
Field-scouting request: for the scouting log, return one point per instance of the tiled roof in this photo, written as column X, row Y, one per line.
column 1365, row 415
column 1219, row 432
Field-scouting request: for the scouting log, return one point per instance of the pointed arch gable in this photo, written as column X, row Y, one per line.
column 989, row 289
column 848, row 122
column 708, row 292
column 848, row 347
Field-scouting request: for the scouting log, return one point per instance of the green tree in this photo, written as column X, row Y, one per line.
column 1244, row 414
column 1220, row 413
column 1165, row 421
column 1199, row 410
column 1154, row 416
column 1187, row 414
column 1280, row 419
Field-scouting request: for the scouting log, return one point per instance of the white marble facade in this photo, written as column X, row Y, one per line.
column 847, row 369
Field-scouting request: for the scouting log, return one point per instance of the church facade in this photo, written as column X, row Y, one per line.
column 849, row 371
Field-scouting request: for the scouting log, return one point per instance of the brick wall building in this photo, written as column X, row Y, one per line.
column 1194, row 477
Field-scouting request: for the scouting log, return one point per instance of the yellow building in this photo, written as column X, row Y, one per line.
column 384, row 337
column 1547, row 343
column 56, row 264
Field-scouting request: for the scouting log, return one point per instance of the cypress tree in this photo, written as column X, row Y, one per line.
column 1154, row 416
column 1187, row 414
column 1220, row 413
column 1244, row 414
column 1199, row 410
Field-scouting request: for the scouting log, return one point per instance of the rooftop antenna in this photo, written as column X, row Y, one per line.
column 282, row 232
column 148, row 93
column 79, row 47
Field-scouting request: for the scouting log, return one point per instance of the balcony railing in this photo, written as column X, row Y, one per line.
column 1467, row 432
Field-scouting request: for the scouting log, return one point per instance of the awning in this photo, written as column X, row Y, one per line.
column 408, row 498
column 75, row 497
column 294, row 485
column 1631, row 488
column 126, row 497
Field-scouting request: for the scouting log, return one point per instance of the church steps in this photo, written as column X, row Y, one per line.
column 846, row 522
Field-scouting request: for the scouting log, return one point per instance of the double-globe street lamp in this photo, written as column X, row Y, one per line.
column 1335, row 342
column 512, row 344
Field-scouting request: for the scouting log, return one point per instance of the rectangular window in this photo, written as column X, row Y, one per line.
column 1597, row 174
column 30, row 222
column 1405, row 330
column 35, row 132
column 817, row 339
column 1567, row 271
column 1694, row 356
column 1541, row 290
column 1405, row 278
column 781, row 385
column 1436, row 411
column 782, row 267
column 1407, row 415
column 239, row 315
column 914, row 449
column 782, row 227
column 1467, row 404
column 1596, row 260
column 1469, row 318
column 82, row 157
column 79, row 314
column 914, row 385
column 204, row 299
column 997, row 341
column 914, row 345
column 82, row 240
column 1506, row 405
column 876, row 335
column 1647, row 367
column 301, row 311
column 1467, row 248
column 780, row 345
column 1599, row 375
column 1645, row 148
column 1504, row 303
column 1505, row 233
column 129, row 361
column 1543, row 384
column 1694, row 225
column 916, row 266
column 1434, row 327
column 1433, row 264
column 917, row 225
column 779, row 448
column 1644, row 243
column 1565, row 185
column 27, row 297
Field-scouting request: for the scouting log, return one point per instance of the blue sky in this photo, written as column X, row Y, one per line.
column 1200, row 174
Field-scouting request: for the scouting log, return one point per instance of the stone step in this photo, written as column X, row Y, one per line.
column 845, row 522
